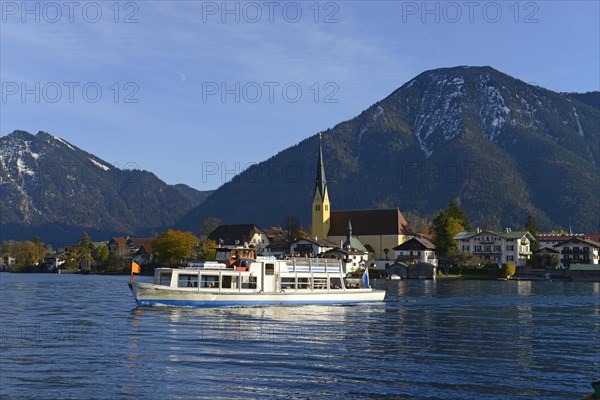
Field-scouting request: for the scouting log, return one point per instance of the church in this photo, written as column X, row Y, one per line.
column 379, row 230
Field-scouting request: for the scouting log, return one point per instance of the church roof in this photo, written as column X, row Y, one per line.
column 369, row 222
column 416, row 243
column 355, row 244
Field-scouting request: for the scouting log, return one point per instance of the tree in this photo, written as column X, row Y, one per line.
column 206, row 250
column 25, row 254
column 101, row 253
column 454, row 211
column 447, row 224
column 532, row 228
column 41, row 248
column 85, row 247
column 417, row 223
column 292, row 228
column 173, row 246
column 461, row 258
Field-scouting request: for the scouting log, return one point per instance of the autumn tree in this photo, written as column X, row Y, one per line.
column 173, row 246
column 41, row 248
column 25, row 254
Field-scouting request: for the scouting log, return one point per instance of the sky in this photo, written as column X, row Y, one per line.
column 195, row 91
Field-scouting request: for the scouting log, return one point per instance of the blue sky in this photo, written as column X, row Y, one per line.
column 187, row 84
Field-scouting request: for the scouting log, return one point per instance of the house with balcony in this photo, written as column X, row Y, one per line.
column 236, row 235
column 311, row 247
column 499, row 247
column 417, row 249
column 578, row 250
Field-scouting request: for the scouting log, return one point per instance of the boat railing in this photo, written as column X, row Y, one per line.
column 314, row 265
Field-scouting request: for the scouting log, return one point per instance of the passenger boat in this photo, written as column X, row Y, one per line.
column 238, row 278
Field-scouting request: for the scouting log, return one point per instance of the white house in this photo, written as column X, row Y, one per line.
column 311, row 247
column 499, row 247
column 7, row 263
column 417, row 249
column 578, row 250
column 240, row 234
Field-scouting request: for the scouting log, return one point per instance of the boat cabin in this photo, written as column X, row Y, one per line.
column 264, row 275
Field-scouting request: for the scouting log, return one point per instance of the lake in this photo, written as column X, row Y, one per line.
column 79, row 337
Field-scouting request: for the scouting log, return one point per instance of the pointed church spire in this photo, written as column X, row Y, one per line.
column 320, row 181
column 348, row 242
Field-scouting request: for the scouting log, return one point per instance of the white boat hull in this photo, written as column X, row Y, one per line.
column 147, row 294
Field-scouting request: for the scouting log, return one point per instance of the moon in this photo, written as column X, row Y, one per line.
column 182, row 77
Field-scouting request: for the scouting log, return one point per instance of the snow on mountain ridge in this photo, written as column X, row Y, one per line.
column 440, row 112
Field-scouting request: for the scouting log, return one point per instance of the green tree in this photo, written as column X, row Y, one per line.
column 454, row 211
column 85, row 247
column 173, row 246
column 532, row 228
column 101, row 254
column 206, row 250
column 447, row 224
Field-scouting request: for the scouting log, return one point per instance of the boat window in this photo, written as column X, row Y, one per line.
column 270, row 269
column 303, row 283
column 187, row 280
column 209, row 281
column 229, row 282
column 165, row 278
column 320, row 283
column 248, row 282
column 222, row 256
column 335, row 283
column 288, row 283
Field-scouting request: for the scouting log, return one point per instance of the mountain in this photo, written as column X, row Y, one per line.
column 503, row 148
column 197, row 197
column 589, row 98
column 51, row 188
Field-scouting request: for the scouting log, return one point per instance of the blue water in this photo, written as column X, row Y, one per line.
column 80, row 337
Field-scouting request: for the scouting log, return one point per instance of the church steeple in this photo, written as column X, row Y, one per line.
column 320, row 205
column 320, row 181
column 348, row 243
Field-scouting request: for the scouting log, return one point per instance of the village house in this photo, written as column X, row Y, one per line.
column 130, row 247
column 53, row 261
column 417, row 249
column 118, row 246
column 8, row 263
column 247, row 235
column 578, row 250
column 547, row 257
column 551, row 240
column 499, row 247
column 144, row 254
column 311, row 247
